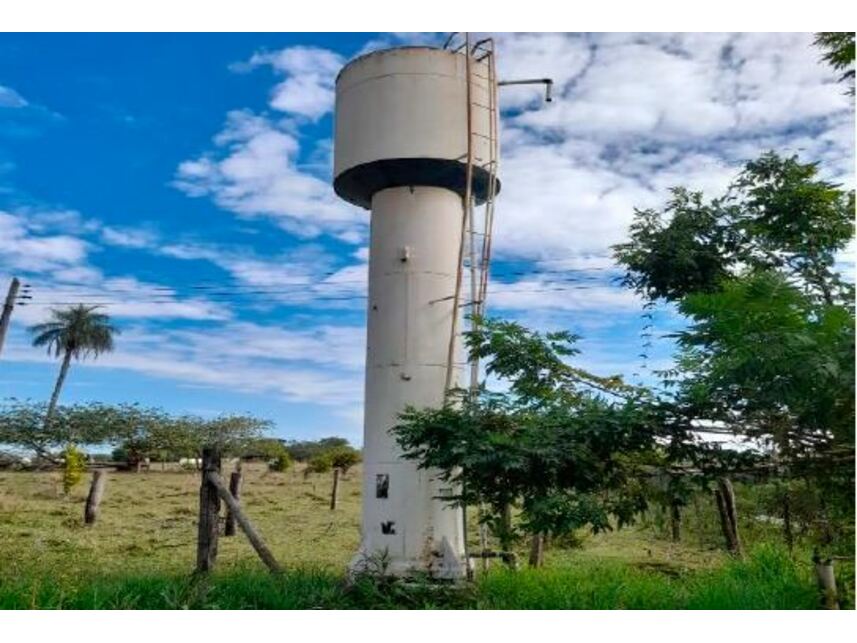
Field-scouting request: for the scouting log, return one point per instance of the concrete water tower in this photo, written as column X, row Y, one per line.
column 404, row 117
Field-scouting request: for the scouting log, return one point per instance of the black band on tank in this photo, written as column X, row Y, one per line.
column 358, row 184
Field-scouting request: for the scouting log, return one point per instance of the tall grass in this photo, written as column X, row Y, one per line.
column 769, row 579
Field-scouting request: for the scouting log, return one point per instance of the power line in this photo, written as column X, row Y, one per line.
column 308, row 298
column 86, row 290
column 568, row 275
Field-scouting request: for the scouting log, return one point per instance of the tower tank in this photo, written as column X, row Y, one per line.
column 401, row 148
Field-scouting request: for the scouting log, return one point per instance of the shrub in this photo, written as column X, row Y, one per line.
column 320, row 463
column 281, row 462
column 74, row 464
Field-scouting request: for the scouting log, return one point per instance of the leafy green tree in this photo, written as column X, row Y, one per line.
column 304, row 450
column 769, row 350
column 838, row 47
column 73, row 333
column 22, row 424
column 775, row 366
column 139, row 431
column 344, row 457
column 568, row 447
column 762, row 357
column 231, row 434
column 263, row 448
column 777, row 215
column 320, row 463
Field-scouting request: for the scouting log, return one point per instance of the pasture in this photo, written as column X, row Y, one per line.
column 141, row 553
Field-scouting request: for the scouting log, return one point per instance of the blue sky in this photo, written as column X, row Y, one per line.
column 184, row 182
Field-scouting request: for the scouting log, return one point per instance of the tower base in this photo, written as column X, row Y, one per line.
column 441, row 563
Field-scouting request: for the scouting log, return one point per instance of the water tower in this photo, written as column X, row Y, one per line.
column 416, row 143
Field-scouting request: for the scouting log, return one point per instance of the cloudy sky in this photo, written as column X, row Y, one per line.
column 183, row 181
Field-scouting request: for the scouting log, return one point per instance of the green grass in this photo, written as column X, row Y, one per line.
column 769, row 579
column 141, row 552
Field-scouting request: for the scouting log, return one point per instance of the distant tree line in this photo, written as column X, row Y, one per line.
column 135, row 434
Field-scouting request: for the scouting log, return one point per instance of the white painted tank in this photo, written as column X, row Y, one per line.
column 400, row 149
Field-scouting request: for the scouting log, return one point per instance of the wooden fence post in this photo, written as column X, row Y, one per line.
column 252, row 535
column 483, row 541
column 537, row 550
column 725, row 497
column 675, row 521
column 93, row 500
column 235, row 490
column 335, row 491
column 826, row 582
column 209, row 513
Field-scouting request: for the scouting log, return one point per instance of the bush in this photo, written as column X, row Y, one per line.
column 74, row 464
column 281, row 462
column 320, row 463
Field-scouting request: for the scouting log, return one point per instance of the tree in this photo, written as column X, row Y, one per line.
column 187, row 435
column 22, row 424
column 769, row 350
column 568, row 447
column 74, row 332
column 344, row 457
column 230, row 434
column 304, row 450
column 838, row 47
column 776, row 215
column 767, row 360
column 139, row 431
column 319, row 463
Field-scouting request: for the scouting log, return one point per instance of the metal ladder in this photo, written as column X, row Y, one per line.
column 479, row 259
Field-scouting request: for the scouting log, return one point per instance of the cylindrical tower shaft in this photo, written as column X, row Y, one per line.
column 413, row 263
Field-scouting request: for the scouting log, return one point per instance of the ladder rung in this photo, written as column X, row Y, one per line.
column 490, row 138
column 483, row 106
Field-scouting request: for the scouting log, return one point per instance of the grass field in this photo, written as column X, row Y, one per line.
column 142, row 550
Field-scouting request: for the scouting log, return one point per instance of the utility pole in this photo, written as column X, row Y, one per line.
column 7, row 310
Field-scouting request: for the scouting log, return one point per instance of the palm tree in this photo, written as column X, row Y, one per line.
column 77, row 331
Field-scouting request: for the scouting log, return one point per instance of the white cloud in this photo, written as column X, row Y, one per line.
column 320, row 366
column 10, row 98
column 636, row 114
column 403, row 38
column 120, row 297
column 308, row 275
column 127, row 237
column 308, row 87
column 59, row 272
column 542, row 293
column 24, row 247
column 254, row 172
column 686, row 85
